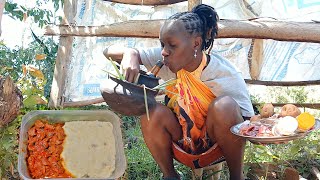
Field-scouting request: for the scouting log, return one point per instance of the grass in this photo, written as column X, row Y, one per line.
column 301, row 154
column 9, row 150
column 140, row 164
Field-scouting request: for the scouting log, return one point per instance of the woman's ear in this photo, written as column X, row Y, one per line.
column 197, row 42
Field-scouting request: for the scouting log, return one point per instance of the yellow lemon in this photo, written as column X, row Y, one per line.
column 305, row 121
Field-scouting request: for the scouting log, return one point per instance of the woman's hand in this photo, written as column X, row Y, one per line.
column 131, row 64
column 128, row 57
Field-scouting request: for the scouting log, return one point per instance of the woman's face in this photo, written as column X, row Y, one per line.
column 178, row 47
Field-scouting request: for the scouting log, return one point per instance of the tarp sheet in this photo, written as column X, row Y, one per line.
column 281, row 61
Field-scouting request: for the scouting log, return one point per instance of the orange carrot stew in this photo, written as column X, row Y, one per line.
column 45, row 144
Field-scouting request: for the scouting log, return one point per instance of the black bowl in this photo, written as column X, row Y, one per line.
column 127, row 98
column 148, row 80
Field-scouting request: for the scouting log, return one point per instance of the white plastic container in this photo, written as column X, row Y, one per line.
column 65, row 116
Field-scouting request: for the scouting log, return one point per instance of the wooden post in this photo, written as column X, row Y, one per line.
column 63, row 57
column 255, row 58
column 193, row 3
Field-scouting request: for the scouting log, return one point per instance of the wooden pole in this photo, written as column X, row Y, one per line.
column 137, row 28
column 84, row 103
column 302, row 105
column 255, row 58
column 63, row 57
column 256, row 29
column 193, row 3
column 283, row 83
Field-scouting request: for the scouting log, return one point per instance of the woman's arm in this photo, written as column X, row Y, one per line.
column 118, row 53
column 128, row 57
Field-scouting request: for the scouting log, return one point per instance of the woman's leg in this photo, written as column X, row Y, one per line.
column 159, row 132
column 223, row 113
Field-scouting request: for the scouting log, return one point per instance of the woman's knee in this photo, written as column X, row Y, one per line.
column 161, row 119
column 224, row 107
column 156, row 114
column 223, row 103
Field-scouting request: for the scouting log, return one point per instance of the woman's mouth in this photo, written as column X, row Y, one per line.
column 171, row 68
column 166, row 63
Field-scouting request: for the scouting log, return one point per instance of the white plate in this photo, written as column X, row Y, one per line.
column 274, row 139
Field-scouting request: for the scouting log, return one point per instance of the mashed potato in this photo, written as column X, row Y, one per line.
column 89, row 149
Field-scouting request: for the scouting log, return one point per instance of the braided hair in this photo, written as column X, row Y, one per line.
column 200, row 21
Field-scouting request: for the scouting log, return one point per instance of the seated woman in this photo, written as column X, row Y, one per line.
column 208, row 98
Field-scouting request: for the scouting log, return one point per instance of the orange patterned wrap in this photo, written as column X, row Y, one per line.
column 190, row 99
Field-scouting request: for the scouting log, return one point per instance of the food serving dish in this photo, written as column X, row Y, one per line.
column 272, row 139
column 61, row 116
column 128, row 98
column 148, row 80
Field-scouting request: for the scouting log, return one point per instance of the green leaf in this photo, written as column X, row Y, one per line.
column 48, row 15
column 23, row 8
column 36, row 19
column 41, row 13
column 261, row 147
column 294, row 150
column 33, row 100
column 12, row 130
column 121, row 77
column 7, row 141
column 9, row 7
column 7, row 145
column 29, row 102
